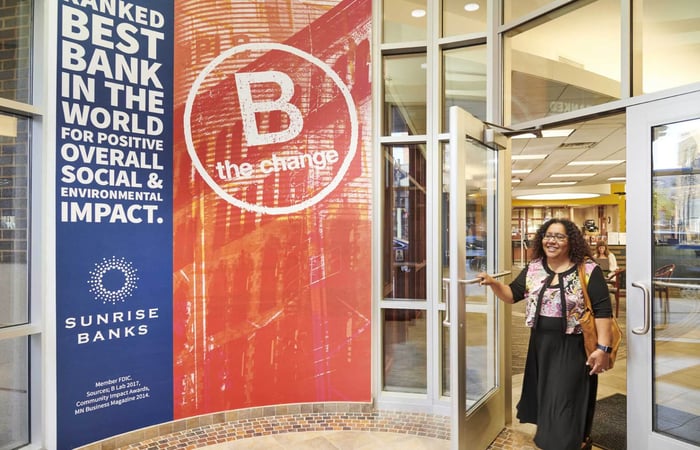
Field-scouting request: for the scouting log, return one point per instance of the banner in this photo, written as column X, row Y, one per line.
column 213, row 209
column 114, row 218
column 272, row 204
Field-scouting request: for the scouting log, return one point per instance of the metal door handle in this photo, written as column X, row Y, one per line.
column 647, row 308
column 446, row 322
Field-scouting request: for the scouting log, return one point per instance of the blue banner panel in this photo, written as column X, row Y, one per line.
column 114, row 218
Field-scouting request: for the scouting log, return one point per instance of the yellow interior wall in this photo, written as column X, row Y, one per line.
column 608, row 199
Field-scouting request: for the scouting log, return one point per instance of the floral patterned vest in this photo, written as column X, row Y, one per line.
column 538, row 280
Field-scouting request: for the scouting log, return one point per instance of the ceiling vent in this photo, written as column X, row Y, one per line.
column 576, row 145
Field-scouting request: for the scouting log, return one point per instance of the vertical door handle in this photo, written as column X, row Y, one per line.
column 647, row 310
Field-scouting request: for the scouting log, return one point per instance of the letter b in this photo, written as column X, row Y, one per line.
column 250, row 107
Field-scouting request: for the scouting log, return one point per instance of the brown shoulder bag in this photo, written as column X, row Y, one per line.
column 587, row 322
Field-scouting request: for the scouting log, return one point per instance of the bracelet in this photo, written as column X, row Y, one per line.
column 605, row 348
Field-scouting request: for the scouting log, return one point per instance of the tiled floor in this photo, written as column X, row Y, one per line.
column 335, row 440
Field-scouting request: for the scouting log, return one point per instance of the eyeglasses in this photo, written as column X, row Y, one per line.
column 557, row 237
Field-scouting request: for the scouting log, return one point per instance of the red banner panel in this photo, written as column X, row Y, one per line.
column 271, row 204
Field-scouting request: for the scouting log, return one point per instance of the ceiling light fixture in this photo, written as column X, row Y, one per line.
column 567, row 175
column 617, row 179
column 526, row 157
column 471, row 7
column 558, row 183
column 611, row 162
column 558, row 196
column 545, row 134
column 418, row 13
column 521, row 171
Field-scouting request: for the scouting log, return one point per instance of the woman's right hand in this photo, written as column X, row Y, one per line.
column 502, row 291
column 485, row 279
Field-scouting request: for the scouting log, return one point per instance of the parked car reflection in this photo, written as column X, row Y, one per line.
column 476, row 253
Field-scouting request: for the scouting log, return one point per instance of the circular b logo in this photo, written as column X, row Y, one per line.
column 270, row 128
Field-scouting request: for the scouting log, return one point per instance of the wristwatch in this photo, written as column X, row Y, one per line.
column 605, row 348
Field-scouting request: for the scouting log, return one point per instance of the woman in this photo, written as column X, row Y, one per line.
column 560, row 383
column 601, row 251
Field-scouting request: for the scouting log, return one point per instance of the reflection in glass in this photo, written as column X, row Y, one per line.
column 513, row 9
column 405, row 362
column 668, row 43
column 14, row 148
column 463, row 17
column 464, row 81
column 16, row 56
column 676, row 281
column 404, row 95
column 445, row 348
column 404, row 222
column 480, row 312
column 14, row 393
column 404, row 21
column 561, row 65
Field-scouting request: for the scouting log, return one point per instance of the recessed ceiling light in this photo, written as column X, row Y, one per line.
column 521, row 171
column 418, row 13
column 524, row 136
column 516, row 180
column 471, row 7
column 523, row 157
column 558, row 196
column 597, row 163
column 557, row 133
column 545, row 134
column 567, row 175
column 558, row 183
column 617, row 179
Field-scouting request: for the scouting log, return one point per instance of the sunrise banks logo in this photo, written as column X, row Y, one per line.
column 113, row 280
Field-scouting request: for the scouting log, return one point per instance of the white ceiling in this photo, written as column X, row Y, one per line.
column 594, row 140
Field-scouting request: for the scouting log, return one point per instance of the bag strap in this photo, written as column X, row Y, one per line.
column 584, row 286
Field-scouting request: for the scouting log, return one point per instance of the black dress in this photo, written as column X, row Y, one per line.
column 558, row 394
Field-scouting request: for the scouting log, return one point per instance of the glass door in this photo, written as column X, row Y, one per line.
column 472, row 313
column 663, row 274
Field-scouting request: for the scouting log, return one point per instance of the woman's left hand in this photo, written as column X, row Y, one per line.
column 599, row 362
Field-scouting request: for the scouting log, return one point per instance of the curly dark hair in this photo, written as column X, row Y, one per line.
column 579, row 249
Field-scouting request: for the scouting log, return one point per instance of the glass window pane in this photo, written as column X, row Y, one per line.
column 404, row 95
column 404, row 222
column 464, row 82
column 670, row 43
column 566, row 64
column 463, row 17
column 675, row 282
column 404, row 20
column 513, row 9
column 405, row 362
column 14, row 150
column 15, row 46
column 14, row 394
column 479, row 315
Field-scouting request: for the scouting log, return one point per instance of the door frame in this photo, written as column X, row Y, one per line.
column 640, row 118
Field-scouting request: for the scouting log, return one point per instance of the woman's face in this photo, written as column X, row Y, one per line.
column 555, row 241
column 601, row 249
